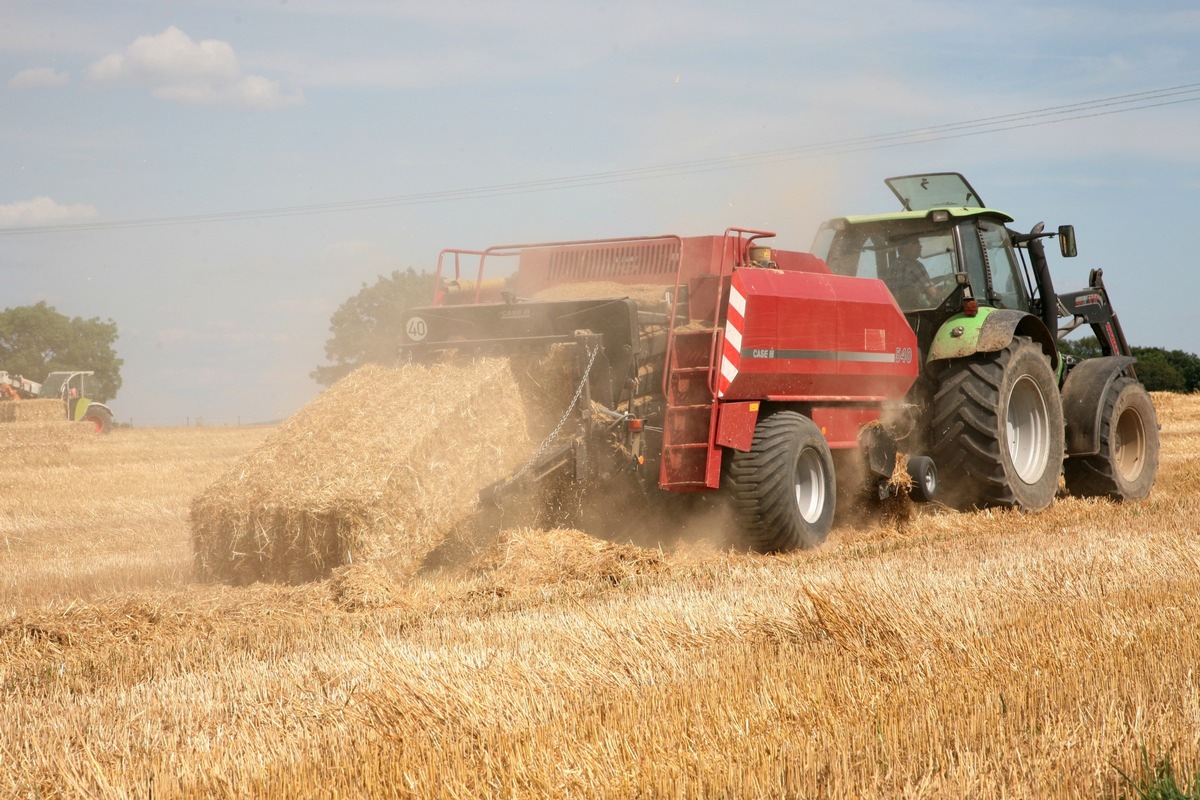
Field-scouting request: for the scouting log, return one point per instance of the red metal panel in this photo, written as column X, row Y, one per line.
column 654, row 260
column 735, row 425
column 840, row 424
column 816, row 336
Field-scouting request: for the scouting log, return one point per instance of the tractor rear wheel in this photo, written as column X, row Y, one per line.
column 782, row 491
column 1127, row 463
column 998, row 429
column 99, row 418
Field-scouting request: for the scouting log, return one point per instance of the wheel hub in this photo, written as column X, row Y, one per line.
column 1028, row 430
column 810, row 485
column 1129, row 444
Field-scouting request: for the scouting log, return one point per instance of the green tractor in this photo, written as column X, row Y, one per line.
column 75, row 388
column 1003, row 412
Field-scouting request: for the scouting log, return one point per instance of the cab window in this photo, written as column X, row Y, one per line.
column 972, row 256
column 1008, row 289
column 917, row 264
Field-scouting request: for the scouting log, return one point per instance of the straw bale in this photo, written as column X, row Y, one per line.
column 647, row 296
column 39, row 410
column 377, row 467
column 42, row 443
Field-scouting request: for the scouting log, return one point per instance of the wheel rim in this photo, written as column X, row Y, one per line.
column 810, row 485
column 1028, row 428
column 1129, row 444
column 929, row 482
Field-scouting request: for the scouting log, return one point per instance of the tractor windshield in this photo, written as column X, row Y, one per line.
column 918, row 263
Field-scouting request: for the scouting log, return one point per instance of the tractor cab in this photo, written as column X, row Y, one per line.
column 944, row 254
column 77, row 389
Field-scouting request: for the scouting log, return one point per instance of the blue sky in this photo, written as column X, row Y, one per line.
column 122, row 111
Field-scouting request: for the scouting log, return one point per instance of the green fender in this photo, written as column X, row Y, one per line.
column 990, row 330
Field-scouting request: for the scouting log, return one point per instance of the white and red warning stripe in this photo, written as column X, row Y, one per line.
column 731, row 350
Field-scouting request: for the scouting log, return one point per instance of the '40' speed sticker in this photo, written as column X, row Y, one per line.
column 416, row 329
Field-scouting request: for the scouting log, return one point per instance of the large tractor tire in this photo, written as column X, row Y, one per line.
column 782, row 491
column 99, row 418
column 1127, row 463
column 998, row 429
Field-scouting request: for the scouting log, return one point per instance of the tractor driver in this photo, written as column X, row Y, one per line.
column 908, row 279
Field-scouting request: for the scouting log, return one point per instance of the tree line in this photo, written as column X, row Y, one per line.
column 1161, row 370
column 37, row 340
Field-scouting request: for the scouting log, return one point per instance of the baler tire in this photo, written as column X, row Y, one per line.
column 997, row 429
column 782, row 491
column 922, row 470
column 1126, row 466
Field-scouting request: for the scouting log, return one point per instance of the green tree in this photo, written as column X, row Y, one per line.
column 1156, row 372
column 1167, row 370
column 368, row 327
column 1081, row 348
column 1160, row 370
column 37, row 340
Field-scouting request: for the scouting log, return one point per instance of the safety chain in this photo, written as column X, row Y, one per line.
column 545, row 445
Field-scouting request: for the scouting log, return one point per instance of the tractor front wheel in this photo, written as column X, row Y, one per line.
column 1127, row 463
column 998, row 429
column 782, row 491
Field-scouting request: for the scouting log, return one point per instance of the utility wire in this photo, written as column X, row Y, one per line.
column 1051, row 115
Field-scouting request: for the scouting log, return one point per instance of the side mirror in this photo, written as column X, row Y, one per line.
column 1066, row 241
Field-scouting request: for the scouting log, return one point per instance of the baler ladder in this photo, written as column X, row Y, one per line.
column 690, row 460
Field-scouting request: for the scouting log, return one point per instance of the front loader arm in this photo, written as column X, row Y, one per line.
column 1091, row 306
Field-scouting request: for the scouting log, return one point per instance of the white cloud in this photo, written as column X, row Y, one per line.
column 39, row 78
column 43, row 211
column 177, row 69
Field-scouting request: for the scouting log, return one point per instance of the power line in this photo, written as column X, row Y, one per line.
column 1050, row 115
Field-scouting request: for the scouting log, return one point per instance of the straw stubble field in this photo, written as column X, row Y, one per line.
column 984, row 655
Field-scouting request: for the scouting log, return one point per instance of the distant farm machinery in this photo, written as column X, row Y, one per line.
column 72, row 387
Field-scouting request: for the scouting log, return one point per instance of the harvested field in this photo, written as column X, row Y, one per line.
column 982, row 655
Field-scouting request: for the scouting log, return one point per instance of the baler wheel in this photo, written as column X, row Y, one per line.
column 998, row 429
column 782, row 491
column 923, row 473
column 1127, row 463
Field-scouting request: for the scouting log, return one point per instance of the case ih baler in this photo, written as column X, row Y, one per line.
column 756, row 368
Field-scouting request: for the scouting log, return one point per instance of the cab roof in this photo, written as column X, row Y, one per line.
column 923, row 194
column 957, row 212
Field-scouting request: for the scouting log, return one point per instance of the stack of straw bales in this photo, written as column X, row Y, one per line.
column 40, row 410
column 378, row 467
column 36, row 433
